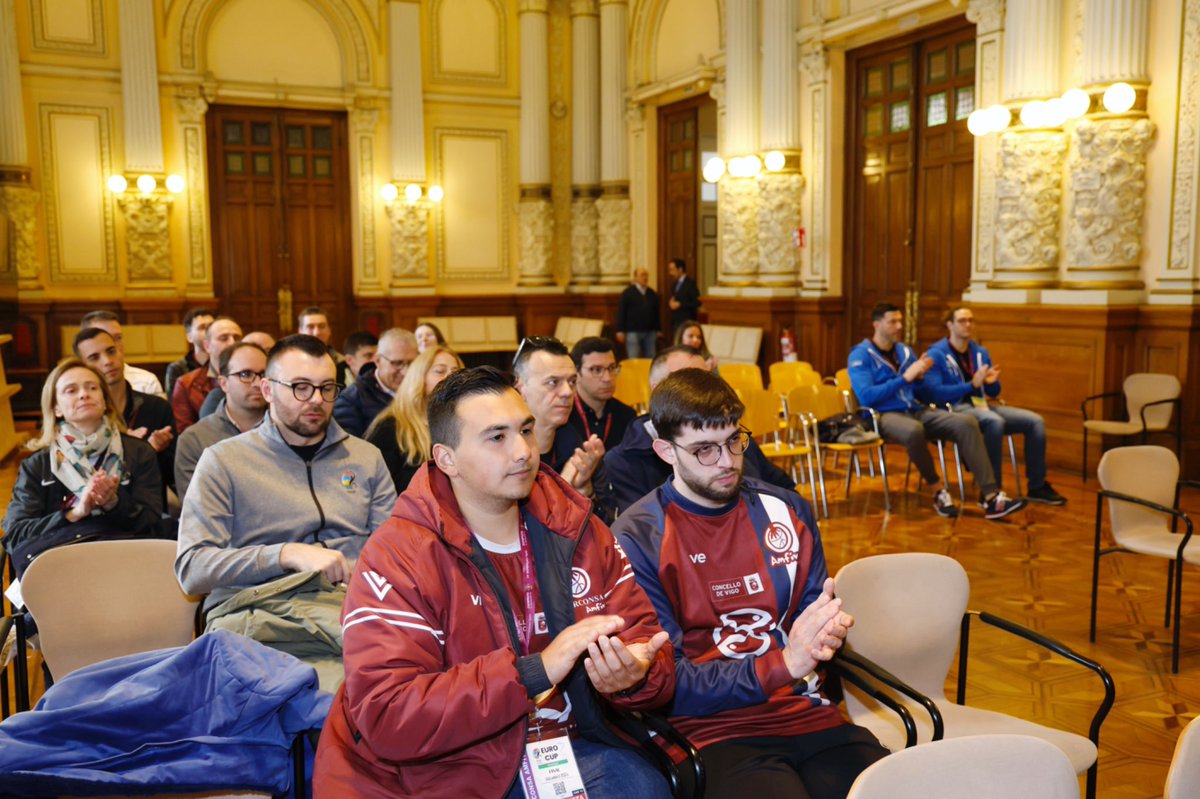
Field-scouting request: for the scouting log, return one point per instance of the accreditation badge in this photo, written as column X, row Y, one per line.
column 979, row 402
column 549, row 770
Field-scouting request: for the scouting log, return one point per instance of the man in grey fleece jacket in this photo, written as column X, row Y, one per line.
column 295, row 494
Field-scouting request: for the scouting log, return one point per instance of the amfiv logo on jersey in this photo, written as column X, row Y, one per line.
column 783, row 541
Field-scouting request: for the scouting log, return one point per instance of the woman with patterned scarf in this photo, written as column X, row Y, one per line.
column 86, row 478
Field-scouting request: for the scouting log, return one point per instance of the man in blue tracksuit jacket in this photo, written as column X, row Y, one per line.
column 964, row 376
column 887, row 375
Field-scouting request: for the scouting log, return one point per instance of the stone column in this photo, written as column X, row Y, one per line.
column 614, row 206
column 534, row 213
column 408, row 221
column 1029, row 186
column 147, row 232
column 988, row 16
column 1107, row 162
column 1179, row 281
column 737, row 204
column 18, row 200
column 779, row 191
column 585, row 140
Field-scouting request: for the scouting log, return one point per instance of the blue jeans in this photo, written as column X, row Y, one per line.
column 999, row 421
column 611, row 773
column 641, row 343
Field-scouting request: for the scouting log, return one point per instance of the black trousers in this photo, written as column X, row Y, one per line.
column 818, row 765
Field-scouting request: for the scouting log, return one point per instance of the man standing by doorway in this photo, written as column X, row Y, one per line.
column 637, row 319
column 685, row 296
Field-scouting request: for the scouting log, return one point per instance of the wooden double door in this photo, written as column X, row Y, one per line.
column 909, row 179
column 280, row 208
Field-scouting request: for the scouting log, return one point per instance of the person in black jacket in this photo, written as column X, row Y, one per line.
column 377, row 382
column 637, row 320
column 685, row 295
column 86, row 478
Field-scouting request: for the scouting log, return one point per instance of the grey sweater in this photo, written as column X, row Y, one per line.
column 251, row 494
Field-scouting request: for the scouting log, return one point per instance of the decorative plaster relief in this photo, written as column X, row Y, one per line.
column 1187, row 143
column 147, row 236
column 988, row 15
column 536, row 235
column 362, row 126
column 815, row 60
column 410, row 242
column 778, row 217
column 18, row 203
column 988, row 66
column 737, row 208
column 613, row 225
column 55, row 33
column 585, row 264
column 1108, row 180
column 1028, row 199
column 192, row 107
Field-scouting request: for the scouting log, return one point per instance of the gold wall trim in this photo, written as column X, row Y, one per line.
column 54, row 227
column 42, row 43
column 436, row 73
column 505, row 205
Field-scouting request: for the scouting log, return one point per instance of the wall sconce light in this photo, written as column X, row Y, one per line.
column 714, row 169
column 412, row 193
column 117, row 184
column 1077, row 102
column 746, row 166
column 992, row 119
column 774, row 161
column 175, row 183
column 146, row 184
column 389, row 192
column 1119, row 98
column 435, row 194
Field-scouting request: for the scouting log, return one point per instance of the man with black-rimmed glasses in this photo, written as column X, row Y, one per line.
column 735, row 570
column 294, row 497
column 376, row 384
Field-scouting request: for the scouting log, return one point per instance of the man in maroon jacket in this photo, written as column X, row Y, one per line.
column 483, row 622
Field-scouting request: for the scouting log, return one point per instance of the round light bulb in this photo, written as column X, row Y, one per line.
column 1031, row 114
column 147, row 183
column 1077, row 102
column 977, row 122
column 117, row 184
column 412, row 192
column 436, row 193
column 1119, row 98
column 175, row 183
column 389, row 192
column 774, row 161
column 998, row 118
column 714, row 168
column 1056, row 112
column 754, row 165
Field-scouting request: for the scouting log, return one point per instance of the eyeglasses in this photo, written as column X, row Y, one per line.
column 394, row 363
column 709, row 454
column 535, row 343
column 597, row 371
column 247, row 375
column 303, row 391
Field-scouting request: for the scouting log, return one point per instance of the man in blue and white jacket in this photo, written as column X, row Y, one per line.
column 887, row 375
column 964, row 376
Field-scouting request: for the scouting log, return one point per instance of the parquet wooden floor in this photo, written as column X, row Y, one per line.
column 1035, row 568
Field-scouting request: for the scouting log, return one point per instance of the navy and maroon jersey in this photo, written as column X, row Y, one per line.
column 727, row 583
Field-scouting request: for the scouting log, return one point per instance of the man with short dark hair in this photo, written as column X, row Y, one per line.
column 638, row 319
column 685, row 295
column 359, row 349
column 964, row 376
column 264, row 341
column 632, row 467
column 141, row 379
column 595, row 409
column 147, row 416
column 187, row 398
column 377, row 381
column 887, row 375
column 314, row 321
column 274, row 519
column 241, row 369
column 491, row 609
column 195, row 323
column 737, row 575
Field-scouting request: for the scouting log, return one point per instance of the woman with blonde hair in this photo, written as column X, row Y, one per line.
column 86, row 477
column 401, row 430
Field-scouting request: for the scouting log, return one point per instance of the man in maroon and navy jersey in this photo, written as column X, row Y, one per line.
column 491, row 609
column 736, row 572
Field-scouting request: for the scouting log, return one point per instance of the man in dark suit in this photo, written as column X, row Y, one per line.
column 685, row 296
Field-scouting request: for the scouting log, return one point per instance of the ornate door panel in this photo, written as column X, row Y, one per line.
column 909, row 176
column 679, row 188
column 280, row 215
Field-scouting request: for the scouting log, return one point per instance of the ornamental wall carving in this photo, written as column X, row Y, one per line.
column 778, row 218
column 535, row 221
column 737, row 208
column 1107, row 171
column 1187, row 145
column 1029, row 199
column 18, row 203
column 613, row 228
column 147, row 236
column 410, row 241
column 585, row 266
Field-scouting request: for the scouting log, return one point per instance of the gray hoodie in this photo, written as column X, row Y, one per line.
column 252, row 494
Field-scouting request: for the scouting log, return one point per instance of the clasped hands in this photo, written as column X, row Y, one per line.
column 611, row 664
column 99, row 492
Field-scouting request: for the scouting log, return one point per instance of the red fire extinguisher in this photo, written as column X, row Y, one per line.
column 787, row 345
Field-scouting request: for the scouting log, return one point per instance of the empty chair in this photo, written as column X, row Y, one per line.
column 742, row 377
column 1150, row 399
column 1183, row 780
column 786, row 375
column 633, row 383
column 1142, row 487
column 910, row 613
column 975, row 766
column 762, row 418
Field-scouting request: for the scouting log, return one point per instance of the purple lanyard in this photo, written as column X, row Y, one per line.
column 527, row 578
